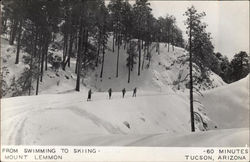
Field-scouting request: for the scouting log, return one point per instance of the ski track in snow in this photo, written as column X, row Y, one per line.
column 16, row 134
column 19, row 133
column 12, row 132
column 99, row 122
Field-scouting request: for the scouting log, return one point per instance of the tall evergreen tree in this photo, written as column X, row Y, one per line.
column 193, row 23
column 115, row 7
column 103, row 32
column 141, row 9
column 240, row 66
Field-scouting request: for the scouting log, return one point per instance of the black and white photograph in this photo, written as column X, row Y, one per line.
column 127, row 73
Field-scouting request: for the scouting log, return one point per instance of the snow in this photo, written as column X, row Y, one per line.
column 53, row 112
column 231, row 102
column 154, row 119
column 158, row 116
column 218, row 138
column 53, row 81
column 9, row 68
column 164, row 71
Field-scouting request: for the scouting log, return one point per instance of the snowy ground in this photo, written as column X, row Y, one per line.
column 158, row 116
column 150, row 119
column 228, row 106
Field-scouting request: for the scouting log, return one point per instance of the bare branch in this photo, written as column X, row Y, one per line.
column 198, row 91
column 203, row 123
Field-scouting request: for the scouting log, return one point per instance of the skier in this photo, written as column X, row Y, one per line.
column 134, row 93
column 89, row 95
column 123, row 92
column 110, row 93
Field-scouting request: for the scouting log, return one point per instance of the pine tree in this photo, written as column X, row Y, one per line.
column 79, row 50
column 127, row 22
column 103, row 32
column 240, row 66
column 131, row 60
column 200, row 48
column 115, row 7
column 141, row 10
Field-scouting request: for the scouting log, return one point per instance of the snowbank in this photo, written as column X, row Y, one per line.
column 228, row 106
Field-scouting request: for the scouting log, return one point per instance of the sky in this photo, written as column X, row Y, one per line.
column 228, row 21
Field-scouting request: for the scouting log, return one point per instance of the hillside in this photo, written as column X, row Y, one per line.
column 158, row 116
column 150, row 119
column 167, row 72
column 231, row 102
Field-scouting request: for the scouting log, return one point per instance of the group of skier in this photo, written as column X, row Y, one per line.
column 110, row 93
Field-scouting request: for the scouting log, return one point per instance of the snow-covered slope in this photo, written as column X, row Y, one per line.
column 166, row 73
column 228, row 106
column 67, row 115
column 150, row 119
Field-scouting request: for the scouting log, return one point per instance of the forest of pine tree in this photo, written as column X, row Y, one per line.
column 85, row 27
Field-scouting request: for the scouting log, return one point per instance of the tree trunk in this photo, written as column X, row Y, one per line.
column 191, row 79
column 31, row 61
column 116, row 38
column 125, row 39
column 38, row 67
column 65, row 46
column 172, row 40
column 18, row 41
column 97, row 57
column 103, row 55
column 113, row 42
column 13, row 31
column 98, row 50
column 129, row 64
column 31, row 68
column 77, row 48
column 168, row 39
column 76, row 65
column 156, row 47
column 132, row 66
column 42, row 65
column 143, row 58
column 85, row 47
column 118, row 53
column 43, row 54
column 46, row 55
column 79, row 56
column 139, row 63
column 69, row 53
column 70, row 48
column 149, row 55
column 76, row 41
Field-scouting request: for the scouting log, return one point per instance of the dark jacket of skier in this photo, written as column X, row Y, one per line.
column 89, row 95
column 110, row 92
column 123, row 92
column 134, row 92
